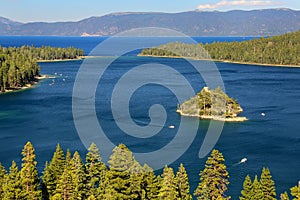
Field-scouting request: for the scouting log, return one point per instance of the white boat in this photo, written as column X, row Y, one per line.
column 171, row 126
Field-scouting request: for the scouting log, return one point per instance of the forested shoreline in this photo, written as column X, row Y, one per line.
column 277, row 50
column 67, row 176
column 19, row 65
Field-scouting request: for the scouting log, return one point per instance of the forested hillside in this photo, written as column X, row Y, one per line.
column 192, row 23
column 68, row 177
column 18, row 66
column 277, row 50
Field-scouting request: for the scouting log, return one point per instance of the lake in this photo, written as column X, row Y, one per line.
column 44, row 116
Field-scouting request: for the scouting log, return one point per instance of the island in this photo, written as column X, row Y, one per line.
column 280, row 50
column 212, row 105
column 19, row 68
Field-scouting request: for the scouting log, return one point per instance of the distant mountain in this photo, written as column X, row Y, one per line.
column 194, row 23
column 7, row 25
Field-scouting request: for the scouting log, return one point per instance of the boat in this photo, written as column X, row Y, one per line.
column 171, row 126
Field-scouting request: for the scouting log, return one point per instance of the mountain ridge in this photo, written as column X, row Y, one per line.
column 193, row 23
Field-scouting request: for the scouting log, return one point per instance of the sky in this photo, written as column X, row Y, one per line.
column 75, row 10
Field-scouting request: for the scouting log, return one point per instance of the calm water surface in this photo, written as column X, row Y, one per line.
column 43, row 114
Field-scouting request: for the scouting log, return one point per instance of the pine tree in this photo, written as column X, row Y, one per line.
column 256, row 190
column 79, row 176
column 104, row 186
column 284, row 196
column 58, row 162
column 48, row 182
column 95, row 169
column 137, row 176
column 2, row 179
column 52, row 172
column 247, row 191
column 295, row 192
column 206, row 193
column 267, row 185
column 168, row 190
column 65, row 189
column 68, row 158
column 182, row 181
column 214, row 178
column 151, row 183
column 29, row 174
column 109, row 193
column 118, row 176
column 12, row 188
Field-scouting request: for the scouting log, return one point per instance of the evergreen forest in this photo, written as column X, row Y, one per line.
column 276, row 50
column 19, row 67
column 67, row 177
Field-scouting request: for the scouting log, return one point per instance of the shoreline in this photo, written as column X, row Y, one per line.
column 216, row 118
column 30, row 85
column 62, row 60
column 224, row 61
column 33, row 83
column 74, row 59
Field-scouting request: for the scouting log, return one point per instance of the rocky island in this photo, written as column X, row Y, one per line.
column 212, row 105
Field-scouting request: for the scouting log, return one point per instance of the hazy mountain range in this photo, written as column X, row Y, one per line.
column 194, row 23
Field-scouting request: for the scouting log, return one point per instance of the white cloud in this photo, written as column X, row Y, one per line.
column 234, row 3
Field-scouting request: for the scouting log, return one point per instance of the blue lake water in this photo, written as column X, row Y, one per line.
column 43, row 114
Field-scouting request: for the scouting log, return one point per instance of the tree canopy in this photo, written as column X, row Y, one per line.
column 68, row 177
column 277, row 50
column 211, row 103
column 19, row 67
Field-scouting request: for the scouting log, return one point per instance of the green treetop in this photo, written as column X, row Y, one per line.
column 182, row 181
column 256, row 190
column 151, row 183
column 68, row 157
column 29, row 173
column 79, row 176
column 137, row 176
column 65, row 189
column 295, row 192
column 119, row 175
column 12, row 188
column 168, row 190
column 53, row 171
column 49, row 182
column 95, row 169
column 2, row 179
column 247, row 191
column 267, row 185
column 284, row 196
column 214, row 178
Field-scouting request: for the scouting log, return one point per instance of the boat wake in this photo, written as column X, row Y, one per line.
column 243, row 160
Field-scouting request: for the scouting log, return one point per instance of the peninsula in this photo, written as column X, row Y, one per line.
column 212, row 105
column 280, row 50
column 19, row 67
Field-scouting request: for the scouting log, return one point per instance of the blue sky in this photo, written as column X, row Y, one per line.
column 73, row 10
